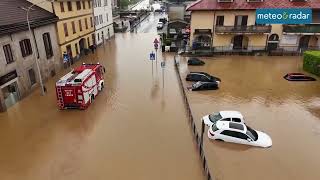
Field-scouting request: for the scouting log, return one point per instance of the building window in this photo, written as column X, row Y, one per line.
column 89, row 4
column 105, row 2
column 98, row 3
column 80, row 25
column 84, row 4
column 86, row 23
column 88, row 39
column 96, row 20
column 8, row 53
column 62, row 6
column 25, row 47
column 73, row 27
column 241, row 21
column 65, row 27
column 69, row 6
column 220, row 21
column 32, row 76
column 98, row 35
column 47, row 45
column 101, row 19
column 107, row 17
column 78, row 5
column 91, row 22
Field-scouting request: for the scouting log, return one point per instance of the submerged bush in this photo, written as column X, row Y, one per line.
column 311, row 62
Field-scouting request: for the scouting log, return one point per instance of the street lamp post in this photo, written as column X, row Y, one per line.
column 34, row 55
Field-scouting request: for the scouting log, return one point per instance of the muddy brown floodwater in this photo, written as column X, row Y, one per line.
column 288, row 111
column 136, row 128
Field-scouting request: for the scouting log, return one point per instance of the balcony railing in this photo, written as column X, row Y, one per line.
column 243, row 29
column 312, row 28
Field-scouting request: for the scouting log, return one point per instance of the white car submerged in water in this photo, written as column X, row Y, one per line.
column 238, row 133
column 231, row 116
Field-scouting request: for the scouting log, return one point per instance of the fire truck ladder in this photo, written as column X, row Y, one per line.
column 60, row 98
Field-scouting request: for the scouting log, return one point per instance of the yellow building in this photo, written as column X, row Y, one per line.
column 75, row 27
column 230, row 25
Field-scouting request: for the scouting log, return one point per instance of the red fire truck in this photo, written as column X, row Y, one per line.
column 78, row 88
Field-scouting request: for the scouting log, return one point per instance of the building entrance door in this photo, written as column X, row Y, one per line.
column 69, row 52
column 10, row 94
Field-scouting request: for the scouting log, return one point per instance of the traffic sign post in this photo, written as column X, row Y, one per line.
column 152, row 58
column 163, row 64
column 156, row 46
column 66, row 59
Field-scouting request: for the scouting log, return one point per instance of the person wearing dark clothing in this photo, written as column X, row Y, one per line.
column 93, row 48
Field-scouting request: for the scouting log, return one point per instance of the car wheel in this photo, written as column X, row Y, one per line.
column 220, row 140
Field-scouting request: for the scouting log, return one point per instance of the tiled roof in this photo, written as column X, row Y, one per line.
column 244, row 5
column 13, row 18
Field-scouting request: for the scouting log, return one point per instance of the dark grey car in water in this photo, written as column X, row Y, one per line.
column 201, row 76
column 200, row 86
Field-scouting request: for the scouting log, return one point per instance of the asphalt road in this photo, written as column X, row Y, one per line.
column 149, row 25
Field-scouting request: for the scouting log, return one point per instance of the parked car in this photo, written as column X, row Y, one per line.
column 298, row 77
column 163, row 20
column 202, row 76
column 238, row 133
column 195, row 62
column 158, row 10
column 229, row 116
column 160, row 25
column 200, row 86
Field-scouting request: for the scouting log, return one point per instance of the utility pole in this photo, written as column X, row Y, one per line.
column 34, row 55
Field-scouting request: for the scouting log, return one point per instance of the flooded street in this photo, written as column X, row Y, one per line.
column 135, row 129
column 288, row 111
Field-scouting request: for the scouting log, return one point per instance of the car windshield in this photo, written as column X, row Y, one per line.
column 196, row 85
column 214, row 128
column 215, row 117
column 252, row 133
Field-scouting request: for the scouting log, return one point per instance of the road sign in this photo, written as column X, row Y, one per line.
column 152, row 56
column 155, row 41
column 156, row 46
column 163, row 64
column 65, row 57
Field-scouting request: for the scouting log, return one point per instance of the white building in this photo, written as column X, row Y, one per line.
column 103, row 20
column 19, row 50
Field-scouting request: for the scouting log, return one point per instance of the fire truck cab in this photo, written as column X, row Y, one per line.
column 78, row 88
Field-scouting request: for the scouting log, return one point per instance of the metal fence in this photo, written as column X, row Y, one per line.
column 198, row 136
column 253, row 50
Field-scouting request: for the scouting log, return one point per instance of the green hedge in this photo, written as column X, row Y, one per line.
column 311, row 62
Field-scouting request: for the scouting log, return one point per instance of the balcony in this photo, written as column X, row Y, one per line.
column 243, row 29
column 302, row 29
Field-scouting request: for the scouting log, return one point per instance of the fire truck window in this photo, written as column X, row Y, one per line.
column 77, row 80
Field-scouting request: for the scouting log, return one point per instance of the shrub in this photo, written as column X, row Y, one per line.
column 311, row 62
column 168, row 42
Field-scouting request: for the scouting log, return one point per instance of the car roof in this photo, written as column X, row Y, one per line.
column 231, row 114
column 232, row 126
